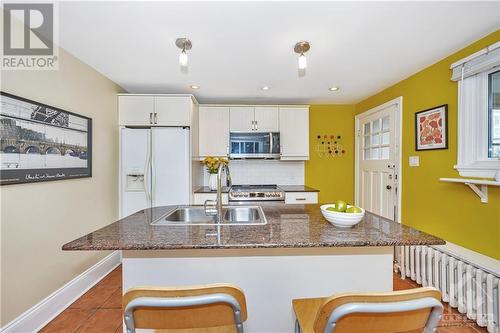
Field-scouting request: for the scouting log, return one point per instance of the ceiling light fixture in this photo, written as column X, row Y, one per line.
column 194, row 86
column 333, row 88
column 301, row 48
column 185, row 45
column 266, row 88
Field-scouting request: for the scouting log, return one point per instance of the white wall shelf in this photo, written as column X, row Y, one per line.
column 479, row 186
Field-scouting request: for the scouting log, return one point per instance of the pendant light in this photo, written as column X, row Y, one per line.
column 185, row 45
column 301, row 48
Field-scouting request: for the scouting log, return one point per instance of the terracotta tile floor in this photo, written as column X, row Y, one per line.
column 99, row 310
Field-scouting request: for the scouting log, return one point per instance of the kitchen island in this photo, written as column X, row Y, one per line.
column 296, row 254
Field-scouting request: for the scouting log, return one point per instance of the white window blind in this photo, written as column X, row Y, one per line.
column 481, row 61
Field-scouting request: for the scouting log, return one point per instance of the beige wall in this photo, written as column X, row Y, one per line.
column 37, row 219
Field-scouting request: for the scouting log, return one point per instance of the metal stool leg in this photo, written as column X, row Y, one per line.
column 297, row 326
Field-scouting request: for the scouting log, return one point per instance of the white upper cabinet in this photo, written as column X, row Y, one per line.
column 254, row 119
column 173, row 111
column 135, row 110
column 266, row 119
column 213, row 131
column 294, row 133
column 242, row 118
column 147, row 110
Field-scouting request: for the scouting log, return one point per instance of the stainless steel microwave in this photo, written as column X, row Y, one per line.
column 254, row 145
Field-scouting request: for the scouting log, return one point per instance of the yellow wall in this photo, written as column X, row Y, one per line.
column 334, row 176
column 450, row 211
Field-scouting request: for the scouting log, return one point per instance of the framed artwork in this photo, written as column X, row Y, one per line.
column 39, row 142
column 431, row 128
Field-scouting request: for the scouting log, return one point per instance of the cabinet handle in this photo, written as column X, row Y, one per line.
column 156, row 118
column 300, row 199
column 256, row 125
column 151, row 117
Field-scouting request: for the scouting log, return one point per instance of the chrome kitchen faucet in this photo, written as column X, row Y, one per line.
column 209, row 204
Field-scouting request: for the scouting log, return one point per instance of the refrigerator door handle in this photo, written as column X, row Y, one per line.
column 147, row 170
column 153, row 172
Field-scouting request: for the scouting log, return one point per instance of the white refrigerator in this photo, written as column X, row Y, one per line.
column 155, row 168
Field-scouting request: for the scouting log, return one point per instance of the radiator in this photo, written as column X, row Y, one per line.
column 474, row 291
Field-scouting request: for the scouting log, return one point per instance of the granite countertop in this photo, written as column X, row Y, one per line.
column 206, row 189
column 286, row 188
column 297, row 188
column 289, row 226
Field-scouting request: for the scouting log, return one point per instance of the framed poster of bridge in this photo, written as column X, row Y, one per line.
column 39, row 142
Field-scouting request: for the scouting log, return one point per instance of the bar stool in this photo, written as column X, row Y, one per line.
column 397, row 311
column 205, row 309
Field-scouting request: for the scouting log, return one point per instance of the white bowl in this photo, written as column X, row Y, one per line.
column 340, row 219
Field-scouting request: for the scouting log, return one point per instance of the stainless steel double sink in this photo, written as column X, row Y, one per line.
column 231, row 215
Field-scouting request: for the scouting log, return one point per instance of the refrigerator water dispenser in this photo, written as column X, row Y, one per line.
column 134, row 182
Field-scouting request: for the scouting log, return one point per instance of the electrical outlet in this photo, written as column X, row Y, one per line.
column 414, row 161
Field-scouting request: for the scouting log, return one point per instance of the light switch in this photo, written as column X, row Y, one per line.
column 414, row 161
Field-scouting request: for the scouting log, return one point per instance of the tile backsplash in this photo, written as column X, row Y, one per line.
column 256, row 172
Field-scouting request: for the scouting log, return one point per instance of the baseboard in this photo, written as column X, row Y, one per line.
column 480, row 260
column 40, row 314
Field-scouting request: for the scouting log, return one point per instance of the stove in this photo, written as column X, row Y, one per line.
column 256, row 193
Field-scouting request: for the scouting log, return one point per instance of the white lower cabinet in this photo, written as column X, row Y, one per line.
column 301, row 197
column 199, row 198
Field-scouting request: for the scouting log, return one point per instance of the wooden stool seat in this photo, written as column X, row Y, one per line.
column 306, row 310
column 217, row 308
column 397, row 311
column 219, row 329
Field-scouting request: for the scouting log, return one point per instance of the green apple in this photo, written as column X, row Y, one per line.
column 341, row 206
column 332, row 208
column 353, row 209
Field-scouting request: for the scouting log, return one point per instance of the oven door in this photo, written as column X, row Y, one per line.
column 255, row 145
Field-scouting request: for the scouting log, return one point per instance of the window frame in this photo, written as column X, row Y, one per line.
column 490, row 112
column 473, row 119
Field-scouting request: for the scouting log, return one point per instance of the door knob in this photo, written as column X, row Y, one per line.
column 388, row 187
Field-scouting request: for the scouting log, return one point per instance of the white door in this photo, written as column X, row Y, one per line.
column 214, row 131
column 241, row 119
column 377, row 160
column 135, row 172
column 294, row 133
column 266, row 119
column 170, row 165
column 135, row 110
column 172, row 110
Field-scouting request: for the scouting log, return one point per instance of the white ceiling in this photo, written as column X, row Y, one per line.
column 362, row 47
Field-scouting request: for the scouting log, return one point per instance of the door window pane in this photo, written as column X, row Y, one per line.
column 375, row 139
column 384, row 153
column 367, row 141
column 385, row 123
column 376, row 126
column 375, row 154
column 367, row 154
column 494, row 115
column 386, row 138
column 367, row 128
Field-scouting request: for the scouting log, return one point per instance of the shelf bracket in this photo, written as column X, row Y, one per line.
column 482, row 192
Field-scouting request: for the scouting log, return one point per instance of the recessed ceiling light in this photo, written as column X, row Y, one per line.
column 333, row 88
column 266, row 88
column 194, row 86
